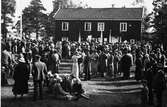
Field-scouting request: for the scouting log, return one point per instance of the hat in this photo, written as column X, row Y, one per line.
column 56, row 76
column 22, row 60
column 37, row 56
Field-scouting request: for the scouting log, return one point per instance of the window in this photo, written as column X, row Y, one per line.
column 100, row 26
column 123, row 27
column 87, row 26
column 65, row 26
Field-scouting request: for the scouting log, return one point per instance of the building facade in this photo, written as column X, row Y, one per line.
column 107, row 24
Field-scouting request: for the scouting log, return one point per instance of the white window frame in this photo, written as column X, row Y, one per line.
column 65, row 26
column 100, row 26
column 88, row 26
column 123, row 27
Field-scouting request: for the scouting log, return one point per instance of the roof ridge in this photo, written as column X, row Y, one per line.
column 108, row 8
column 99, row 13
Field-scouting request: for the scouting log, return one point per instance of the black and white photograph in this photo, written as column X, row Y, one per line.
column 83, row 53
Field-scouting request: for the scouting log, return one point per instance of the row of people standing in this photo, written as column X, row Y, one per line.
column 103, row 63
column 150, row 66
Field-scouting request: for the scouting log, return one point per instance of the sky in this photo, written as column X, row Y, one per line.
column 21, row 4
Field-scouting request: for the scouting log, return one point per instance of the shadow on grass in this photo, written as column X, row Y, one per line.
column 27, row 102
column 125, row 91
column 116, row 83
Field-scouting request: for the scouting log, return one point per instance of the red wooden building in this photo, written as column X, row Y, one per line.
column 111, row 24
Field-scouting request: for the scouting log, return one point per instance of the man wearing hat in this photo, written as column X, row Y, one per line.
column 39, row 73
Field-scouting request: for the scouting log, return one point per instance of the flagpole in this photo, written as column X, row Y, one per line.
column 21, row 27
column 21, row 21
column 110, row 38
column 79, row 38
column 101, row 37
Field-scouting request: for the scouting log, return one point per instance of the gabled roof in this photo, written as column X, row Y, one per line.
column 99, row 14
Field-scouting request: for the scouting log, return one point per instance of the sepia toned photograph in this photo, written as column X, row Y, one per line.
column 83, row 53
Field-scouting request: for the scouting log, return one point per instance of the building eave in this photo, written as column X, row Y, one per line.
column 101, row 19
column 56, row 12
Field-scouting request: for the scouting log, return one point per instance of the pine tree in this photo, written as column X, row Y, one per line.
column 160, row 21
column 34, row 20
column 8, row 9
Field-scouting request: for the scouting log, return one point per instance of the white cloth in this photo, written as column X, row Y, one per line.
column 75, row 67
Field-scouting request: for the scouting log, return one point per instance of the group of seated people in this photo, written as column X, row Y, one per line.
column 65, row 87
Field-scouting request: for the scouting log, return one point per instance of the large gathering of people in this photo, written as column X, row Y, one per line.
column 21, row 58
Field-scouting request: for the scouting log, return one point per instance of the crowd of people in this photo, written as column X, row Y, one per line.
column 90, row 60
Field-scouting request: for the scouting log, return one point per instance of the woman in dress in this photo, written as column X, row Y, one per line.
column 75, row 67
column 94, row 62
column 21, row 77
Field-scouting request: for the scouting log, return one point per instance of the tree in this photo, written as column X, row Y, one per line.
column 65, row 4
column 137, row 2
column 34, row 20
column 7, row 12
column 50, row 27
column 160, row 21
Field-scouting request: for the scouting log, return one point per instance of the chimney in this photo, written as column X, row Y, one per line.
column 123, row 6
column 113, row 5
column 60, row 4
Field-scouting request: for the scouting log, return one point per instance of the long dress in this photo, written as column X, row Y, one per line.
column 21, row 76
column 75, row 67
column 94, row 63
column 55, row 63
column 102, row 66
column 86, row 69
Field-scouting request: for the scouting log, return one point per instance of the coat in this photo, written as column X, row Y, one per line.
column 139, row 69
column 55, row 63
column 102, row 67
column 126, row 62
column 21, row 77
column 159, row 82
column 39, row 71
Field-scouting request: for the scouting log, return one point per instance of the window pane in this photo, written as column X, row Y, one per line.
column 123, row 27
column 87, row 26
column 100, row 27
column 64, row 26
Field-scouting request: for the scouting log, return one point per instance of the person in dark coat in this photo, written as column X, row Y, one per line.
column 110, row 65
column 86, row 68
column 149, row 77
column 21, row 77
column 159, row 85
column 126, row 63
column 116, row 61
column 6, row 64
column 55, row 61
column 65, row 49
column 139, row 67
column 39, row 73
column 77, row 89
column 35, row 51
column 102, row 63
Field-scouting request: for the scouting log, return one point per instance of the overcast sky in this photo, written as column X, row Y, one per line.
column 21, row 4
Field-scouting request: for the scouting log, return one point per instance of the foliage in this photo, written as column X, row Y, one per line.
column 50, row 25
column 160, row 20
column 68, row 4
column 34, row 20
column 7, row 12
column 137, row 2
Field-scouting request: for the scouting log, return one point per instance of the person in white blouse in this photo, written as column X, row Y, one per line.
column 75, row 66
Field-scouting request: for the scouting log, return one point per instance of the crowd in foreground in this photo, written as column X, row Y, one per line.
column 90, row 60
